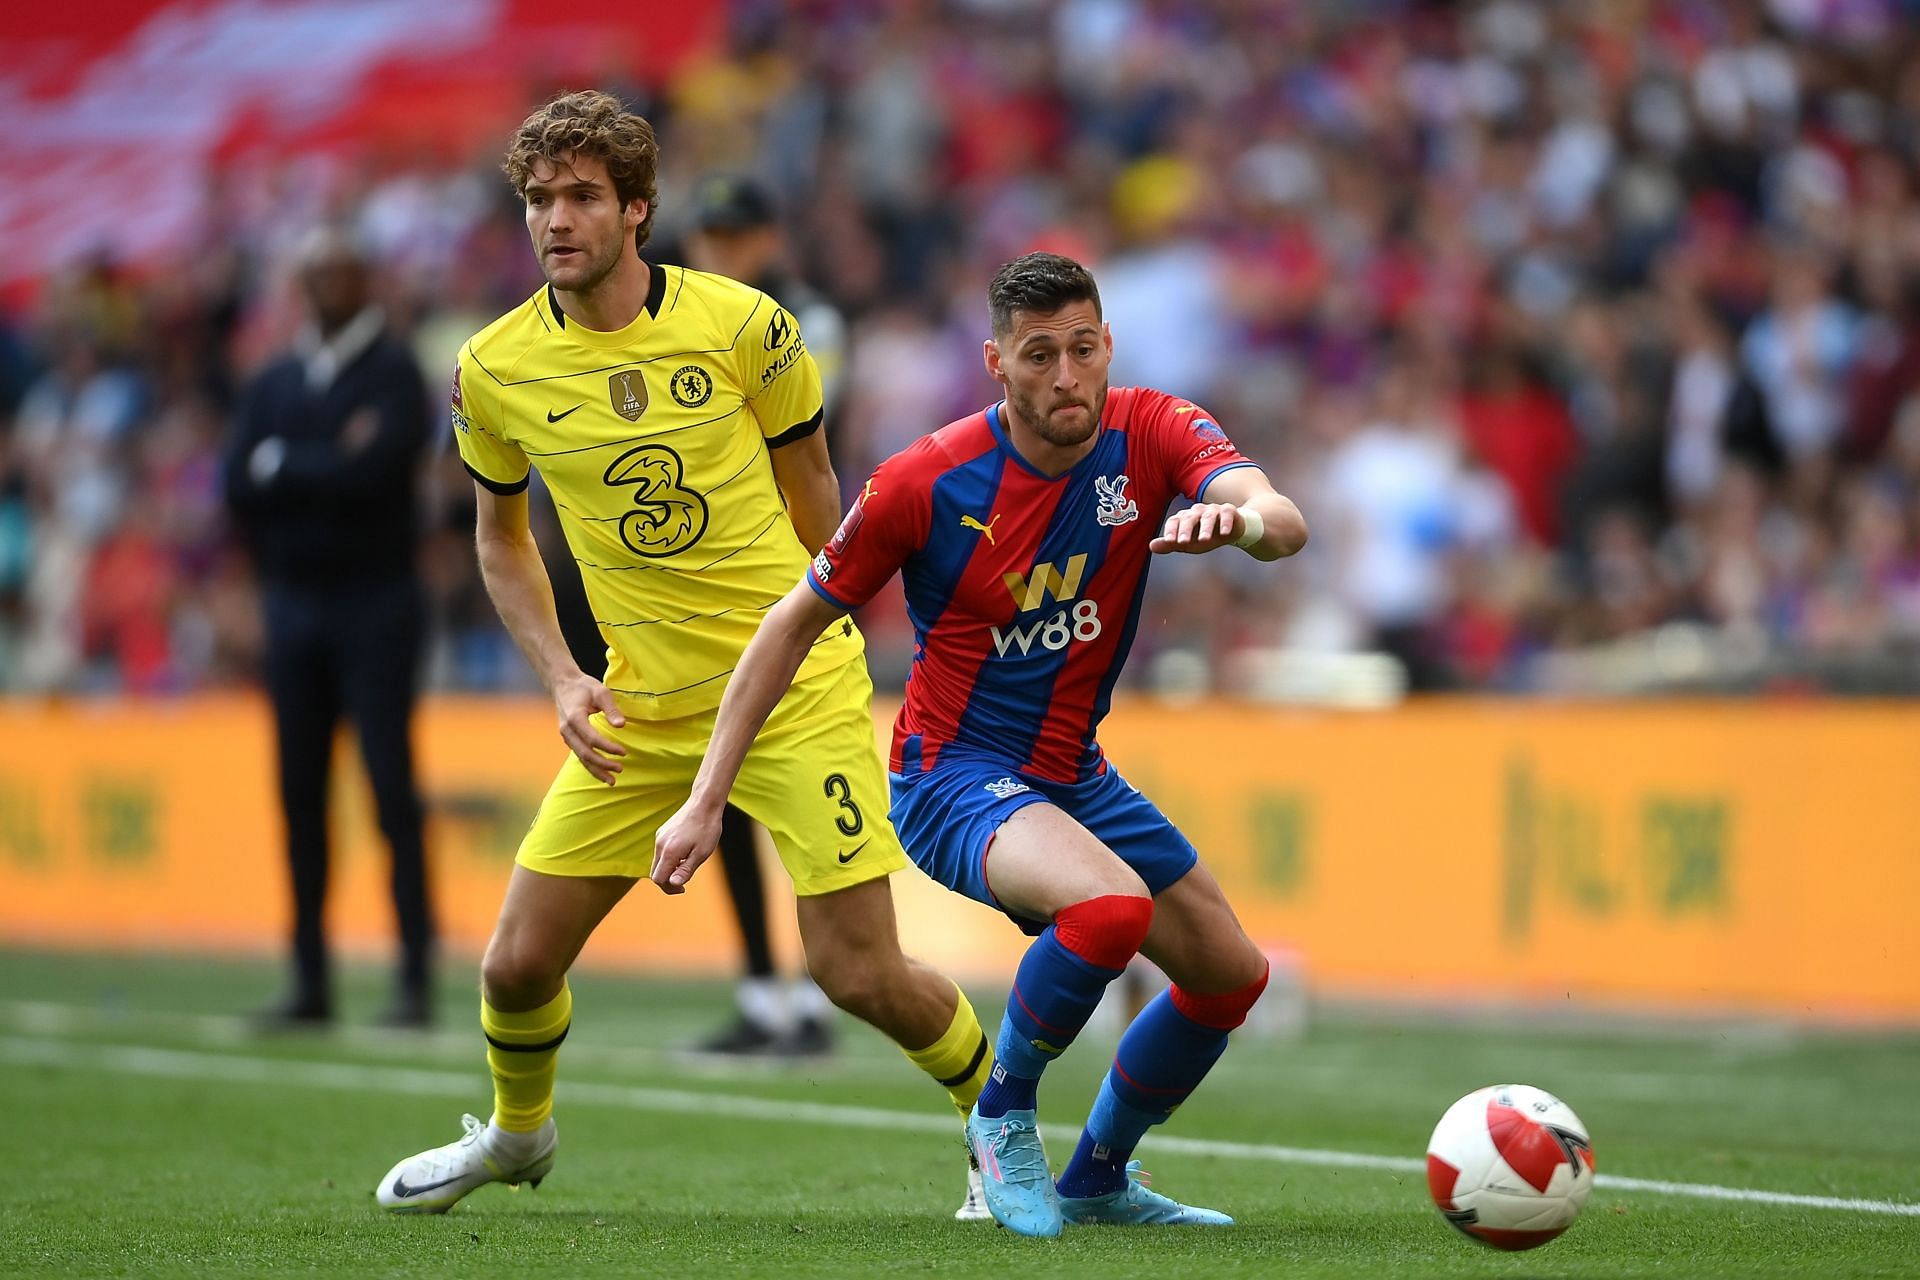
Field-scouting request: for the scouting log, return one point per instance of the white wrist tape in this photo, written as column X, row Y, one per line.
column 1254, row 527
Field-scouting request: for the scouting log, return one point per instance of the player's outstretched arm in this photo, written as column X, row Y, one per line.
column 517, row 582
column 1238, row 509
column 763, row 677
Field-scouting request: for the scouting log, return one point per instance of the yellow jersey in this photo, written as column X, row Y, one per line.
column 654, row 443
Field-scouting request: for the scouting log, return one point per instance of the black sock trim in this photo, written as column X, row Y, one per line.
column 979, row 1055
column 531, row 1048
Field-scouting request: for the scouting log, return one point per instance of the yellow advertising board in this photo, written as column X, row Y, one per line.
column 1686, row 856
column 1706, row 855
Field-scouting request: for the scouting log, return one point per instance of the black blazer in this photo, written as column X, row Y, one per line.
column 330, row 515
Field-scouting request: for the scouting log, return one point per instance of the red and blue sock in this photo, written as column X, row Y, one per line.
column 1162, row 1058
column 1055, row 991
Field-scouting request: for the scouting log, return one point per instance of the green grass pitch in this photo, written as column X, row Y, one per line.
column 148, row 1134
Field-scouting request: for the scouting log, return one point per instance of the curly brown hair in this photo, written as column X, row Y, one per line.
column 590, row 123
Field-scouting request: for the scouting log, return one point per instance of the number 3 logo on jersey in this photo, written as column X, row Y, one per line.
column 667, row 518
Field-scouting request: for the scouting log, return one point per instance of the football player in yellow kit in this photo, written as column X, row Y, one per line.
column 675, row 416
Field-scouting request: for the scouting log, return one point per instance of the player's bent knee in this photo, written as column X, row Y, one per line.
column 1224, row 1011
column 1116, row 879
column 514, row 975
column 851, row 986
column 1106, row 931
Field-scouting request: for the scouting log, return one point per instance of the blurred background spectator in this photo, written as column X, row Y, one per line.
column 1586, row 334
column 318, row 475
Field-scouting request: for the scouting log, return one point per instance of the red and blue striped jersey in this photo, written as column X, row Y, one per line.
column 1024, row 589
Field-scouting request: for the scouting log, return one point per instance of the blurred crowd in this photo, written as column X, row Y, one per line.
column 1586, row 335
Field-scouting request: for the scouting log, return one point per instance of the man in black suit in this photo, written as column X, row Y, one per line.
column 320, row 476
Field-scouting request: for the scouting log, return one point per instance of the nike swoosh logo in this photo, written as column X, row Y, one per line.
column 555, row 417
column 403, row 1190
column 849, row 857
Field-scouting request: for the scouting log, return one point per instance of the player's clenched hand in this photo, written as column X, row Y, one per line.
column 685, row 841
column 577, row 699
column 1201, row 527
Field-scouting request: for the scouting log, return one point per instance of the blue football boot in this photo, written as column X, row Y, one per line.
column 1014, row 1173
column 1136, row 1206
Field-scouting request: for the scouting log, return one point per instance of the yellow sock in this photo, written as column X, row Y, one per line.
column 521, row 1052
column 960, row 1059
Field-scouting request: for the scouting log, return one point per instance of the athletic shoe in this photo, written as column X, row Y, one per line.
column 411, row 1010
column 974, row 1207
column 1014, row 1178
column 434, row 1181
column 1135, row 1206
column 295, row 1013
column 741, row 1038
column 808, row 1038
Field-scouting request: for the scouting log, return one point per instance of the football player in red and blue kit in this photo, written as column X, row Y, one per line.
column 1023, row 535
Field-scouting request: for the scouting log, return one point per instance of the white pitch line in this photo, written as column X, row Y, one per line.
column 228, row 1031
column 1707, row 1191
column 1329, row 1069
column 186, row 1064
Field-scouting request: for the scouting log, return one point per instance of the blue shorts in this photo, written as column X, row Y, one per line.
column 948, row 816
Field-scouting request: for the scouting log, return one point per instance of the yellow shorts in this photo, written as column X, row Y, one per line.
column 813, row 778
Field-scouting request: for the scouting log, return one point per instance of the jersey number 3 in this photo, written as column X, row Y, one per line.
column 667, row 517
column 838, row 788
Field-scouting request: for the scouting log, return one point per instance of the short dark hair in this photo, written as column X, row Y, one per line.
column 590, row 123
column 1041, row 282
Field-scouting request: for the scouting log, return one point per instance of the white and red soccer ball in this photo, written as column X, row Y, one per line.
column 1510, row 1165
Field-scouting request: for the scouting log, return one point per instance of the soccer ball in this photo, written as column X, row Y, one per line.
column 1510, row 1165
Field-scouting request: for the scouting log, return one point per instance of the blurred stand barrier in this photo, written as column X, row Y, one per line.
column 1674, row 659
column 1360, row 681
column 1682, row 657
column 1678, row 855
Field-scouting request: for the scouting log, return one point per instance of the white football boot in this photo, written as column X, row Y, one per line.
column 434, row 1181
column 974, row 1207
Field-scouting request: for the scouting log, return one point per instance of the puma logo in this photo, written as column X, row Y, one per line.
column 968, row 522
